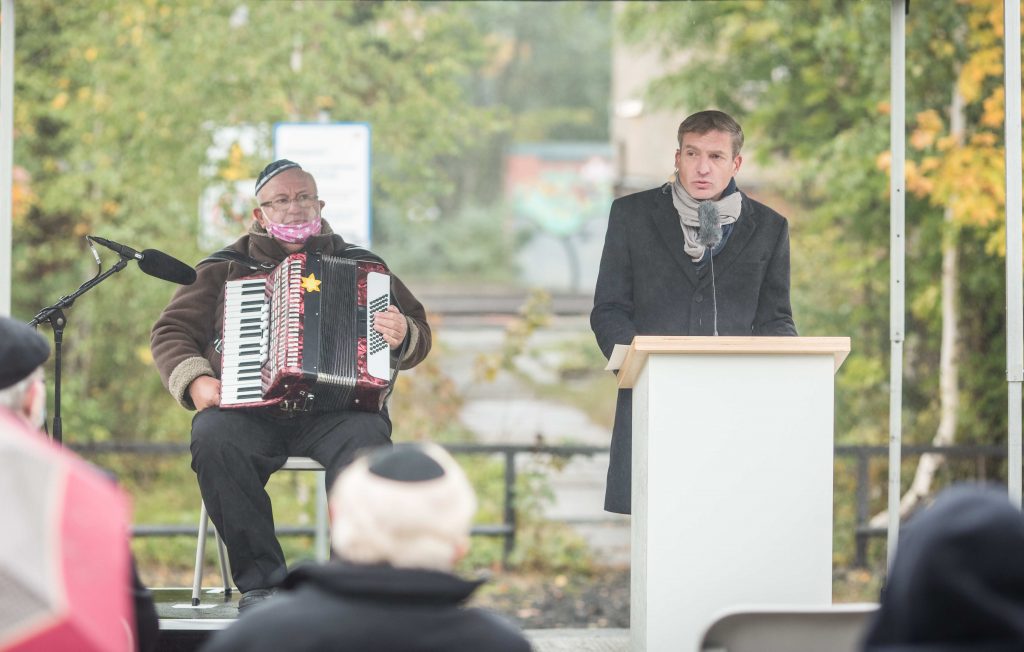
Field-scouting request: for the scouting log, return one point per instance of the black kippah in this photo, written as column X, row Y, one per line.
column 22, row 350
column 272, row 170
column 405, row 463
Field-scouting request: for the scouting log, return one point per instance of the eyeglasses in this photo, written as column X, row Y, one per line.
column 282, row 204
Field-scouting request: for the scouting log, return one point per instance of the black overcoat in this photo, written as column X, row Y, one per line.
column 648, row 285
column 354, row 607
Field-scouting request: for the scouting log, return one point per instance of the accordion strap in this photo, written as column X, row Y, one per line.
column 342, row 250
column 351, row 251
column 230, row 255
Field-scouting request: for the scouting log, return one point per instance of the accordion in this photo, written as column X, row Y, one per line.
column 302, row 338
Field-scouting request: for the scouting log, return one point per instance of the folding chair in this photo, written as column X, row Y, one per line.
column 784, row 628
column 321, row 544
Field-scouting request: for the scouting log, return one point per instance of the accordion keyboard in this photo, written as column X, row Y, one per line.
column 245, row 341
column 378, row 296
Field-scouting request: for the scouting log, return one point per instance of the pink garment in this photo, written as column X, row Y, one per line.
column 294, row 233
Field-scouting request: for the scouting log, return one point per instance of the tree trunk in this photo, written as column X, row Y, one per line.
column 949, row 386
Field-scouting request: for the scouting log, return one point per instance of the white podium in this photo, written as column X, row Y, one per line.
column 732, row 478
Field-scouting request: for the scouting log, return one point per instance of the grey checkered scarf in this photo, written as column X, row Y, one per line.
column 728, row 212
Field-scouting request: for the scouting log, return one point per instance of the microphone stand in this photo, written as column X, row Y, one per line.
column 55, row 315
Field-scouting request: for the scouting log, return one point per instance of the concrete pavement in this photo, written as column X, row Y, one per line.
column 506, row 411
column 579, row 640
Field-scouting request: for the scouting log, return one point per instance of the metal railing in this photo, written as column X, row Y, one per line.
column 506, row 529
column 982, row 455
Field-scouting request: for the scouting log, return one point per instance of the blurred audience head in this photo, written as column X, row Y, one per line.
column 409, row 506
column 957, row 580
column 22, row 354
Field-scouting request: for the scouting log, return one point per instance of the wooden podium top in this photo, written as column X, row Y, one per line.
column 644, row 345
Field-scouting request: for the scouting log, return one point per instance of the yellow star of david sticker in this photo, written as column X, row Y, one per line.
column 310, row 283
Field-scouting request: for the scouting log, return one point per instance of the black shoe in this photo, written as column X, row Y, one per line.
column 253, row 597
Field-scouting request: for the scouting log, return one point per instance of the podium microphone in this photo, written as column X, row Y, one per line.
column 709, row 234
column 153, row 262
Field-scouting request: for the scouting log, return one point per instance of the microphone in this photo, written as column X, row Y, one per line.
column 153, row 262
column 709, row 230
column 709, row 234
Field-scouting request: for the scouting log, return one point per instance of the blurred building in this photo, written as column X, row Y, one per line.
column 559, row 193
column 643, row 136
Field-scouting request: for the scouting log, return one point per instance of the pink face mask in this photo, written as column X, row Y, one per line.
column 293, row 233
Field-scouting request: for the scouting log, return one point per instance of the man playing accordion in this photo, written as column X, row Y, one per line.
column 234, row 451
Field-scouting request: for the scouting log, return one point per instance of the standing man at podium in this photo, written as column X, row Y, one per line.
column 693, row 257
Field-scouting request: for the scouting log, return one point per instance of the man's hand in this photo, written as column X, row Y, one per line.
column 392, row 326
column 205, row 392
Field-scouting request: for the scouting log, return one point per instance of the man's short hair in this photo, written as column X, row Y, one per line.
column 704, row 121
column 409, row 506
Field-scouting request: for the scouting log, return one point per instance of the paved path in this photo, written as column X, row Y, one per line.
column 579, row 640
column 505, row 411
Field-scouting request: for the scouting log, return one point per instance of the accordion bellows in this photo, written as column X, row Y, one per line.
column 302, row 338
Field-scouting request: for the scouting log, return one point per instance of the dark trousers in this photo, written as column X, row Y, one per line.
column 234, row 452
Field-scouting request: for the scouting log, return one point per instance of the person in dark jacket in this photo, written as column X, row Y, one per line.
column 234, row 451
column 401, row 520
column 957, row 580
column 661, row 274
column 23, row 352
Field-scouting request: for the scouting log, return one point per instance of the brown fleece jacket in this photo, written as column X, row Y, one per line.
column 183, row 338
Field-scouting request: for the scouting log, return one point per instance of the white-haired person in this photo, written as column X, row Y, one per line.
column 22, row 388
column 400, row 522
column 23, row 352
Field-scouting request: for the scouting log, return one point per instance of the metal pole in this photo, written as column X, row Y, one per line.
column 510, row 506
column 6, row 149
column 1014, row 300
column 322, row 542
column 897, row 287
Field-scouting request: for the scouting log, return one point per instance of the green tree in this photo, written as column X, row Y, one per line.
column 810, row 81
column 116, row 105
column 548, row 75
